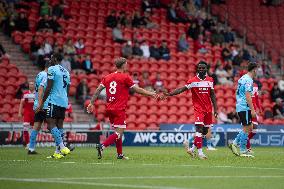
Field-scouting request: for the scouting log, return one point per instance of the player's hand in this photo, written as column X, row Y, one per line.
column 216, row 114
column 253, row 114
column 164, row 96
column 39, row 108
column 90, row 108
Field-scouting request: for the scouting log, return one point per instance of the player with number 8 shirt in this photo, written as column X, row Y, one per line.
column 117, row 86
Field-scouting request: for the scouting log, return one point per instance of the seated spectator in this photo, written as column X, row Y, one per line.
column 88, row 65
column 172, row 14
column 183, row 45
column 158, row 84
column 268, row 114
column 226, row 53
column 193, row 31
column 127, row 50
column 123, row 19
column 76, row 64
column 136, row 50
column 54, row 25
column 217, row 37
column 111, row 20
column 69, row 48
column 281, row 86
column 65, row 63
column 145, row 49
column 229, row 35
column 8, row 25
column 278, row 110
column 44, row 24
column 136, row 79
column 34, row 46
column 275, row 92
column 212, row 74
column 199, row 45
column 181, row 13
column 222, row 75
column 223, row 117
column 136, row 20
column 146, row 21
column 164, row 51
column 266, row 69
column 117, row 35
column 146, row 83
column 82, row 92
column 22, row 23
column 3, row 52
column 80, row 46
column 208, row 23
column 44, row 8
column 230, row 70
column 154, row 51
column 238, row 59
column 146, row 6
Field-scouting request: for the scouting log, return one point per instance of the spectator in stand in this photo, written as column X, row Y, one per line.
column 146, row 6
column 217, row 38
column 44, row 8
column 80, row 46
column 266, row 69
column 76, row 64
column 117, row 35
column 22, row 23
column 183, row 45
column 3, row 52
column 226, row 53
column 212, row 74
column 172, row 14
column 238, row 59
column 137, row 20
column 127, row 50
column 21, row 89
column 146, row 21
column 66, row 62
column 8, row 25
column 158, row 84
column 208, row 23
column 145, row 49
column 69, row 48
column 275, row 92
column 223, row 117
column 190, row 9
column 230, row 70
column 34, row 46
column 193, row 31
column 182, row 13
column 234, row 50
column 154, row 51
column 88, row 65
column 199, row 45
column 165, row 51
column 198, row 3
column 3, row 12
column 123, row 19
column 44, row 24
column 136, row 80
column 47, row 48
column 246, row 53
column 229, row 35
column 82, row 92
column 222, row 75
column 278, row 110
column 146, row 83
column 137, row 52
column 281, row 86
column 54, row 25
column 111, row 20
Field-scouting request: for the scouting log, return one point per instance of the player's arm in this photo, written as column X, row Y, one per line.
column 20, row 114
column 40, row 94
column 142, row 91
column 214, row 102
column 175, row 92
column 249, row 102
column 47, row 90
column 94, row 98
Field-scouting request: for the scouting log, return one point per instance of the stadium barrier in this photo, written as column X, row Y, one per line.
column 81, row 135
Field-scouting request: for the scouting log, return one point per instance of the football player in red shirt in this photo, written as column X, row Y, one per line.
column 26, row 104
column 117, row 86
column 258, row 108
column 203, row 96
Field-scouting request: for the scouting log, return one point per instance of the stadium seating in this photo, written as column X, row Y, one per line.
column 142, row 112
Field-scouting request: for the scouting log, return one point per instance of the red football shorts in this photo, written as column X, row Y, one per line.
column 117, row 118
column 29, row 118
column 203, row 118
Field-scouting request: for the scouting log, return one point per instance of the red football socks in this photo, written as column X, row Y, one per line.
column 198, row 142
column 26, row 137
column 250, row 136
column 119, row 146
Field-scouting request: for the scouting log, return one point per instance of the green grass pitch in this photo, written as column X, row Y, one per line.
column 148, row 167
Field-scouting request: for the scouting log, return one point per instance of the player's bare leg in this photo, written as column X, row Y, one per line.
column 191, row 150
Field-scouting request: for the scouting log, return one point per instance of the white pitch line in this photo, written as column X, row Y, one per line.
column 218, row 166
column 101, row 163
column 91, row 183
column 68, row 162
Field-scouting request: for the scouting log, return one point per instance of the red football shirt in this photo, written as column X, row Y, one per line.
column 201, row 90
column 254, row 97
column 29, row 98
column 117, row 86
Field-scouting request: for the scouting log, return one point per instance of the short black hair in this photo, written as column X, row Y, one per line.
column 252, row 66
column 202, row 62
